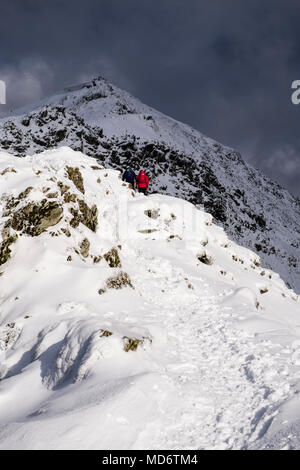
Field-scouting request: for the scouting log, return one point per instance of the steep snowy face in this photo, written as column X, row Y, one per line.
column 134, row 322
column 119, row 131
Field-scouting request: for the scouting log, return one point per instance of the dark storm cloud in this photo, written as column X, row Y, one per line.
column 225, row 67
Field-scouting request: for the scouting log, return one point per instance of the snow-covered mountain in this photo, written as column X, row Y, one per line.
column 118, row 130
column 134, row 322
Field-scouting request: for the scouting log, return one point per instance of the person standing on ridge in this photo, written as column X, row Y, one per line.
column 129, row 176
column 142, row 182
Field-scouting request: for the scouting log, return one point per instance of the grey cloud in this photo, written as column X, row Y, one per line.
column 223, row 67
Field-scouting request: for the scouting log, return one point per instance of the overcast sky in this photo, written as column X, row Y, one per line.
column 223, row 66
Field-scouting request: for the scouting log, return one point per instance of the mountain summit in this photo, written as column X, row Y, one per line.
column 118, row 130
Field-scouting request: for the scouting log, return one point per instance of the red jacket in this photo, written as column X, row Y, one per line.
column 142, row 180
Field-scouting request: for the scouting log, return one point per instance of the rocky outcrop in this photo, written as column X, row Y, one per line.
column 34, row 219
column 75, row 176
column 84, row 214
column 112, row 258
column 84, row 248
column 118, row 281
column 5, row 248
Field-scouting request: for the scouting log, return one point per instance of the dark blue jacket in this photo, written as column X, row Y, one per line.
column 129, row 176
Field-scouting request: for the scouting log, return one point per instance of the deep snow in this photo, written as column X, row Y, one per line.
column 217, row 365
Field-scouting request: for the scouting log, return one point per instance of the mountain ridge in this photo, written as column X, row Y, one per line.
column 118, row 130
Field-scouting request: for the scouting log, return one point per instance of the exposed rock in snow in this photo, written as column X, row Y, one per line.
column 118, row 130
column 191, row 344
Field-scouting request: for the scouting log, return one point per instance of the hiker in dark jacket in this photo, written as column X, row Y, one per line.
column 129, row 176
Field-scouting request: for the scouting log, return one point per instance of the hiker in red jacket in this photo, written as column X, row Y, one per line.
column 142, row 182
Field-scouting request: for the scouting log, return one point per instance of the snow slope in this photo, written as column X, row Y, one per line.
column 118, row 130
column 133, row 322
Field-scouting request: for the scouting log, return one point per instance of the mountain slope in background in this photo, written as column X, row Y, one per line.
column 133, row 322
column 118, row 130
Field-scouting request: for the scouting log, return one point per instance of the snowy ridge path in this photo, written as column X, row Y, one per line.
column 118, row 130
column 166, row 335
column 225, row 380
